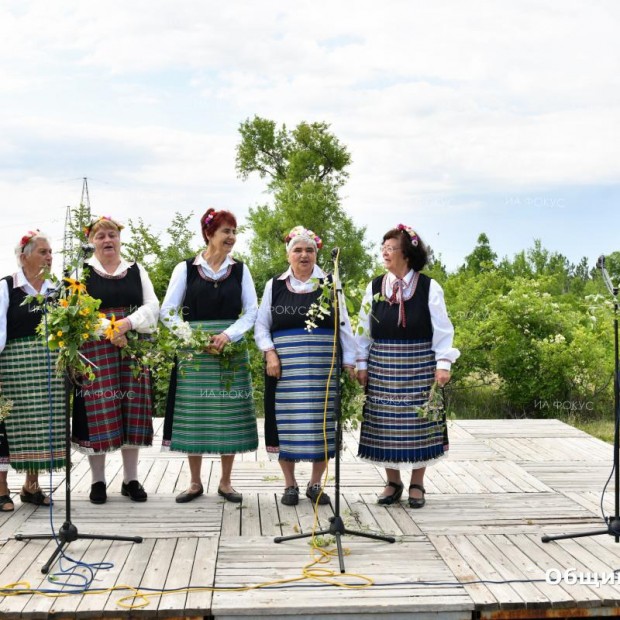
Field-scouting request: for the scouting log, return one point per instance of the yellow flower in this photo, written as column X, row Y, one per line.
column 101, row 315
column 75, row 286
column 59, row 333
column 61, row 343
column 85, row 336
column 64, row 303
column 112, row 328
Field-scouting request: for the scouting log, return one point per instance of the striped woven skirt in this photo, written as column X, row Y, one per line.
column 210, row 407
column 35, row 436
column 393, row 434
column 297, row 409
column 115, row 409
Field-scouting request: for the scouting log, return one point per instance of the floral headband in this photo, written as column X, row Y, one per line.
column 209, row 218
column 27, row 238
column 300, row 231
column 412, row 234
column 103, row 218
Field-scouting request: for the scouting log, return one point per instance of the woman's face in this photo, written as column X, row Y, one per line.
column 392, row 254
column 223, row 239
column 302, row 259
column 107, row 242
column 38, row 260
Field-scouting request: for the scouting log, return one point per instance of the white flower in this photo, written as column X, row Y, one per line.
column 183, row 331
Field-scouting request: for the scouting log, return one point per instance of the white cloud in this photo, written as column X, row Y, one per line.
column 436, row 101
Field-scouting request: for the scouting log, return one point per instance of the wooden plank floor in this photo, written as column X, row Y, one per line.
column 474, row 551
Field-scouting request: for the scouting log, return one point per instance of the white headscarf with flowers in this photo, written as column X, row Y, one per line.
column 300, row 234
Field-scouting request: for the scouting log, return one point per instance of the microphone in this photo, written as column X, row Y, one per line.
column 335, row 252
column 87, row 249
column 600, row 263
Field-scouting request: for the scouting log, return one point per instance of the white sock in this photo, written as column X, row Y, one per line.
column 130, row 464
column 97, row 467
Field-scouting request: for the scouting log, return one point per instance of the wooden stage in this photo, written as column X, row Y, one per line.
column 504, row 485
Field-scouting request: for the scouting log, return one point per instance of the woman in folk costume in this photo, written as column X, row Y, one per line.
column 297, row 364
column 25, row 368
column 405, row 346
column 115, row 410
column 210, row 408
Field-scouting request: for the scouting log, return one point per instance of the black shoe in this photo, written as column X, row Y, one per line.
column 188, row 496
column 98, row 493
column 134, row 490
column 38, row 498
column 234, row 497
column 417, row 502
column 5, row 500
column 314, row 491
column 387, row 500
column 291, row 496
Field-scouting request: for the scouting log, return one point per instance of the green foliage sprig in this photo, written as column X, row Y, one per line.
column 352, row 399
column 433, row 409
column 6, row 405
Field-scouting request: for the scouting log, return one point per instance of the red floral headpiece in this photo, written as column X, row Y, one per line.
column 27, row 238
column 209, row 218
column 412, row 233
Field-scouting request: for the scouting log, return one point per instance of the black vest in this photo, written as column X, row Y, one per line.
column 212, row 300
column 116, row 291
column 289, row 309
column 384, row 322
column 21, row 321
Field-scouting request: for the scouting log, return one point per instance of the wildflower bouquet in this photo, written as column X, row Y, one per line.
column 68, row 324
column 5, row 407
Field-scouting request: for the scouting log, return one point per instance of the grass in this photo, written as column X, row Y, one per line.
column 602, row 428
column 485, row 403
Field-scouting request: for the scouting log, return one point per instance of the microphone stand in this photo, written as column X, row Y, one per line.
column 336, row 524
column 68, row 531
column 613, row 523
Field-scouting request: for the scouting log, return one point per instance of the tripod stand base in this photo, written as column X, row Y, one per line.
column 336, row 529
column 613, row 529
column 67, row 534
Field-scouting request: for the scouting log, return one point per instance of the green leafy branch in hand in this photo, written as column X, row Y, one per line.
column 352, row 399
column 434, row 407
column 179, row 342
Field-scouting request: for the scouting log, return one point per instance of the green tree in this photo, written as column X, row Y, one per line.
column 305, row 169
column 159, row 259
column 483, row 258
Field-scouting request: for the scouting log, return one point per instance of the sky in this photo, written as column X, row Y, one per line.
column 461, row 116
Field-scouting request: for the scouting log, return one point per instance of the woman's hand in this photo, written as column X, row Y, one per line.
column 350, row 370
column 272, row 364
column 118, row 338
column 442, row 377
column 119, row 341
column 217, row 343
column 362, row 377
column 122, row 327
